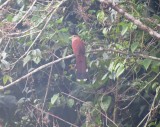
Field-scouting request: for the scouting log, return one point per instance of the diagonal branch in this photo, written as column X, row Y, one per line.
column 34, row 71
column 25, row 15
column 132, row 19
column 4, row 4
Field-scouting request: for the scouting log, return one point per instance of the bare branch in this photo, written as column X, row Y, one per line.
column 54, row 116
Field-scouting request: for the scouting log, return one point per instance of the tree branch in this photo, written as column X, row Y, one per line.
column 34, row 71
column 70, row 56
column 132, row 19
column 4, row 4
column 126, row 53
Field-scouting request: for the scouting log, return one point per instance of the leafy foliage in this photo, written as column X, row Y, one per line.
column 123, row 86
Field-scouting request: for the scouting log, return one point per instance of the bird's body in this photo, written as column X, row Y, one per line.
column 79, row 52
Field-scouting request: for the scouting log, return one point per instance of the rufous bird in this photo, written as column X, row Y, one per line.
column 78, row 47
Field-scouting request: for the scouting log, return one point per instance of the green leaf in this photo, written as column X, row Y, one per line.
column 105, row 102
column 104, row 32
column 5, row 65
column 117, row 66
column 36, row 55
column 26, row 60
column 101, row 16
column 155, row 66
column 120, row 70
column 124, row 29
column 134, row 46
column 111, row 67
column 104, row 76
column 146, row 63
column 36, row 59
column 6, row 78
column 59, row 21
column 155, row 85
column 157, row 96
column 54, row 98
column 70, row 103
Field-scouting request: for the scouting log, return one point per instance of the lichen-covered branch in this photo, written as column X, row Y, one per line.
column 137, row 22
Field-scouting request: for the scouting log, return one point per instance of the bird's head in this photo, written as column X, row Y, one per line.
column 75, row 37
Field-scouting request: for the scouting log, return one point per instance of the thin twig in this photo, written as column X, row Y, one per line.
column 54, row 116
column 24, row 16
column 92, row 106
column 47, row 89
column 147, row 116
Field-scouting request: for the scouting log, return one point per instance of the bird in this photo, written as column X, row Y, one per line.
column 78, row 47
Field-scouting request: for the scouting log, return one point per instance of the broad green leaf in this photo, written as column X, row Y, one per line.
column 111, row 67
column 26, row 60
column 36, row 55
column 59, row 21
column 105, row 102
column 134, row 46
column 6, row 78
column 36, row 59
column 101, row 16
column 70, row 103
column 54, row 98
column 155, row 66
column 5, row 65
column 146, row 63
column 157, row 96
column 120, row 70
column 155, row 85
column 124, row 29
column 104, row 32
column 117, row 66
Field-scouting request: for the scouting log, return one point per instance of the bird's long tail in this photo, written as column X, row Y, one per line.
column 81, row 67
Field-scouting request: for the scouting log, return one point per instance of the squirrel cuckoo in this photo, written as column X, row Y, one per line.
column 79, row 52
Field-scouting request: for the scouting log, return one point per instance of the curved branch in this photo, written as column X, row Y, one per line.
column 132, row 19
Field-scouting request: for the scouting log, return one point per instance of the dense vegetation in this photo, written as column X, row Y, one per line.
column 38, row 86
